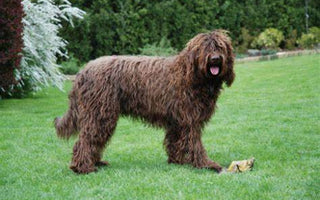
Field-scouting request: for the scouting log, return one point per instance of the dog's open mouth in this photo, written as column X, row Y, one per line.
column 214, row 65
column 214, row 70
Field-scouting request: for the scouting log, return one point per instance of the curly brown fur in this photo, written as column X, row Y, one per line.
column 176, row 93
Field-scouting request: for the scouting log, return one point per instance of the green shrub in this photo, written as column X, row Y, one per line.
column 163, row 48
column 269, row 39
column 310, row 39
column 70, row 67
column 307, row 40
column 316, row 32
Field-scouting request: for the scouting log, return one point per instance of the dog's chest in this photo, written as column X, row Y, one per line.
column 212, row 91
column 207, row 92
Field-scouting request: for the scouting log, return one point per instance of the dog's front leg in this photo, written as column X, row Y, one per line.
column 195, row 153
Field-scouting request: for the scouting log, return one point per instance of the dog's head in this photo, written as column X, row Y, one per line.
column 211, row 56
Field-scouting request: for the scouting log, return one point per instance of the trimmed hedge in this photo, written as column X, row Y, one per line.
column 126, row 26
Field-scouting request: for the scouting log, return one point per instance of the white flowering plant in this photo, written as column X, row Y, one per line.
column 42, row 43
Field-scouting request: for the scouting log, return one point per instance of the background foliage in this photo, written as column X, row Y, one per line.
column 41, row 44
column 308, row 40
column 163, row 48
column 136, row 27
column 269, row 39
column 126, row 26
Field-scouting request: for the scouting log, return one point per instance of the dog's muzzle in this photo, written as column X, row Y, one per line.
column 214, row 65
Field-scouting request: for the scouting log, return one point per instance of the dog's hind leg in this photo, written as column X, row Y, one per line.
column 97, row 127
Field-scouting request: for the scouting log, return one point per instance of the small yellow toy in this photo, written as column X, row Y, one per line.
column 241, row 166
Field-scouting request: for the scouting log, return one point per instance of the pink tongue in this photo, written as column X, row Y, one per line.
column 214, row 70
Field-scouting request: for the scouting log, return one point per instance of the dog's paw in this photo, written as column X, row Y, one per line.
column 213, row 166
column 102, row 163
column 83, row 170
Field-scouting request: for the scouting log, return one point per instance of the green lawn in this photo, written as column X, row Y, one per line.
column 272, row 112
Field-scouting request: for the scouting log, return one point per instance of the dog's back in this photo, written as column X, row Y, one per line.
column 139, row 83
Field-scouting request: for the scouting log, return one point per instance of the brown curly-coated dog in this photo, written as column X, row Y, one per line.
column 176, row 93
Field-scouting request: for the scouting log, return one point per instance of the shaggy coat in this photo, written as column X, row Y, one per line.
column 176, row 93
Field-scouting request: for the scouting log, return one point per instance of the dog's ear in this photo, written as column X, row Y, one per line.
column 229, row 78
column 192, row 57
column 191, row 61
column 230, row 75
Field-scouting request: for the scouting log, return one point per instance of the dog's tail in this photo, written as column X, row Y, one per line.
column 68, row 124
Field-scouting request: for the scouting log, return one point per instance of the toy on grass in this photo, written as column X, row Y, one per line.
column 241, row 166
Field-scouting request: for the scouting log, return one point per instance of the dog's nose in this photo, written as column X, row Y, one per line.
column 216, row 57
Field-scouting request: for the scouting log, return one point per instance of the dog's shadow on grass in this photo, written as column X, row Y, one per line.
column 151, row 166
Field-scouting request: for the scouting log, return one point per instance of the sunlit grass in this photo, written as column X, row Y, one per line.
column 271, row 112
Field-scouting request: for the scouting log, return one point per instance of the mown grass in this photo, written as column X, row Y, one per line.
column 271, row 112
